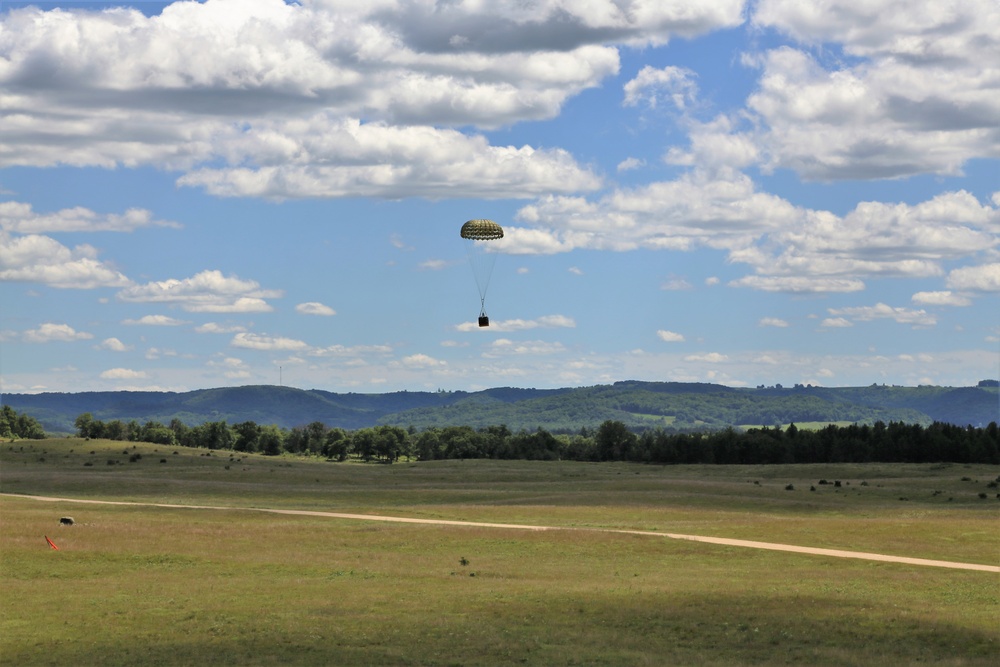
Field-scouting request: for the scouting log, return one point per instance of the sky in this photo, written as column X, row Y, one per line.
column 243, row 192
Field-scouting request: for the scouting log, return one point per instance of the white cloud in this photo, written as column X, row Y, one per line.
column 675, row 285
column 359, row 99
column 916, row 95
column 823, row 252
column 122, row 374
column 253, row 341
column 326, row 157
column 205, row 292
column 883, row 311
column 215, row 328
column 314, row 308
column 984, row 278
column 50, row 332
column 669, row 336
column 654, row 87
column 19, row 217
column 114, row 345
column 942, row 298
column 506, row 346
column 630, row 163
column 799, row 284
column 836, row 323
column 41, row 259
column 156, row 321
column 422, row 361
column 715, row 145
column 232, row 368
column 772, row 322
column 154, row 353
column 546, row 322
column 435, row 264
column 350, row 350
column 711, row 358
column 698, row 209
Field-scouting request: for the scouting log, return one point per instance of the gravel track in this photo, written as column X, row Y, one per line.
column 749, row 544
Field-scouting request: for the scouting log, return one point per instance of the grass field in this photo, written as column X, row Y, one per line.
column 154, row 586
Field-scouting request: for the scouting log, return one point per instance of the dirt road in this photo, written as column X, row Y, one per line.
column 749, row 544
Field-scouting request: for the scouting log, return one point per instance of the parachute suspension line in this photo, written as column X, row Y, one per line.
column 483, row 239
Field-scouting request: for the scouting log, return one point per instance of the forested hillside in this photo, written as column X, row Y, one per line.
column 681, row 407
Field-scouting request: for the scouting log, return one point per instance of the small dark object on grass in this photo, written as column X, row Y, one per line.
column 88, row 464
column 66, row 521
column 812, row 488
column 463, row 561
column 163, row 460
column 982, row 496
column 836, row 483
column 790, row 487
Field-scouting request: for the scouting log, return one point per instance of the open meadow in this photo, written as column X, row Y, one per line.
column 144, row 585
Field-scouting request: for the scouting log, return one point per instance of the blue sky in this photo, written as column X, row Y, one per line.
column 251, row 192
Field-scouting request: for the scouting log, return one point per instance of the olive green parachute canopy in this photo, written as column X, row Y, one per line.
column 482, row 230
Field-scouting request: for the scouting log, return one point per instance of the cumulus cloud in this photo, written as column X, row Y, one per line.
column 711, row 358
column 21, row 218
column 823, row 252
column 51, row 331
column 669, row 336
column 350, row 350
column 914, row 96
column 41, row 259
column 114, row 345
column 630, row 163
column 422, row 361
column 216, row 328
column 232, row 368
column 321, row 99
column 122, row 374
column 546, row 322
column 772, row 322
column 205, row 292
column 506, row 346
column 696, row 210
column 675, row 285
column 253, row 341
column 314, row 308
column 653, row 87
column 156, row 321
column 984, row 278
column 942, row 298
column 883, row 311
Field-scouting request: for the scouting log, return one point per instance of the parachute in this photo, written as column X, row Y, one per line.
column 483, row 240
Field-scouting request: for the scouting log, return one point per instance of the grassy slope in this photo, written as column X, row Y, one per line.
column 155, row 586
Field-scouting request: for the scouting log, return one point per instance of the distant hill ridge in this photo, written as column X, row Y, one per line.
column 677, row 405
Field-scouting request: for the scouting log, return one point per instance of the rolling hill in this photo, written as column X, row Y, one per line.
column 640, row 405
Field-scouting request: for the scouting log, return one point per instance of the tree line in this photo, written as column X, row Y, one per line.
column 17, row 425
column 611, row 441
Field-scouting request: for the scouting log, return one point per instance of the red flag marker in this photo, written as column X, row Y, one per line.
column 51, row 543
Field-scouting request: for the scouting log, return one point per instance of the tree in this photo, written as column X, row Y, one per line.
column 271, row 440
column 613, row 441
column 83, row 424
column 247, row 436
column 336, row 444
column 315, row 437
column 19, row 425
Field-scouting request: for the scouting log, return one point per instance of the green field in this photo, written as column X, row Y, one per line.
column 134, row 585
